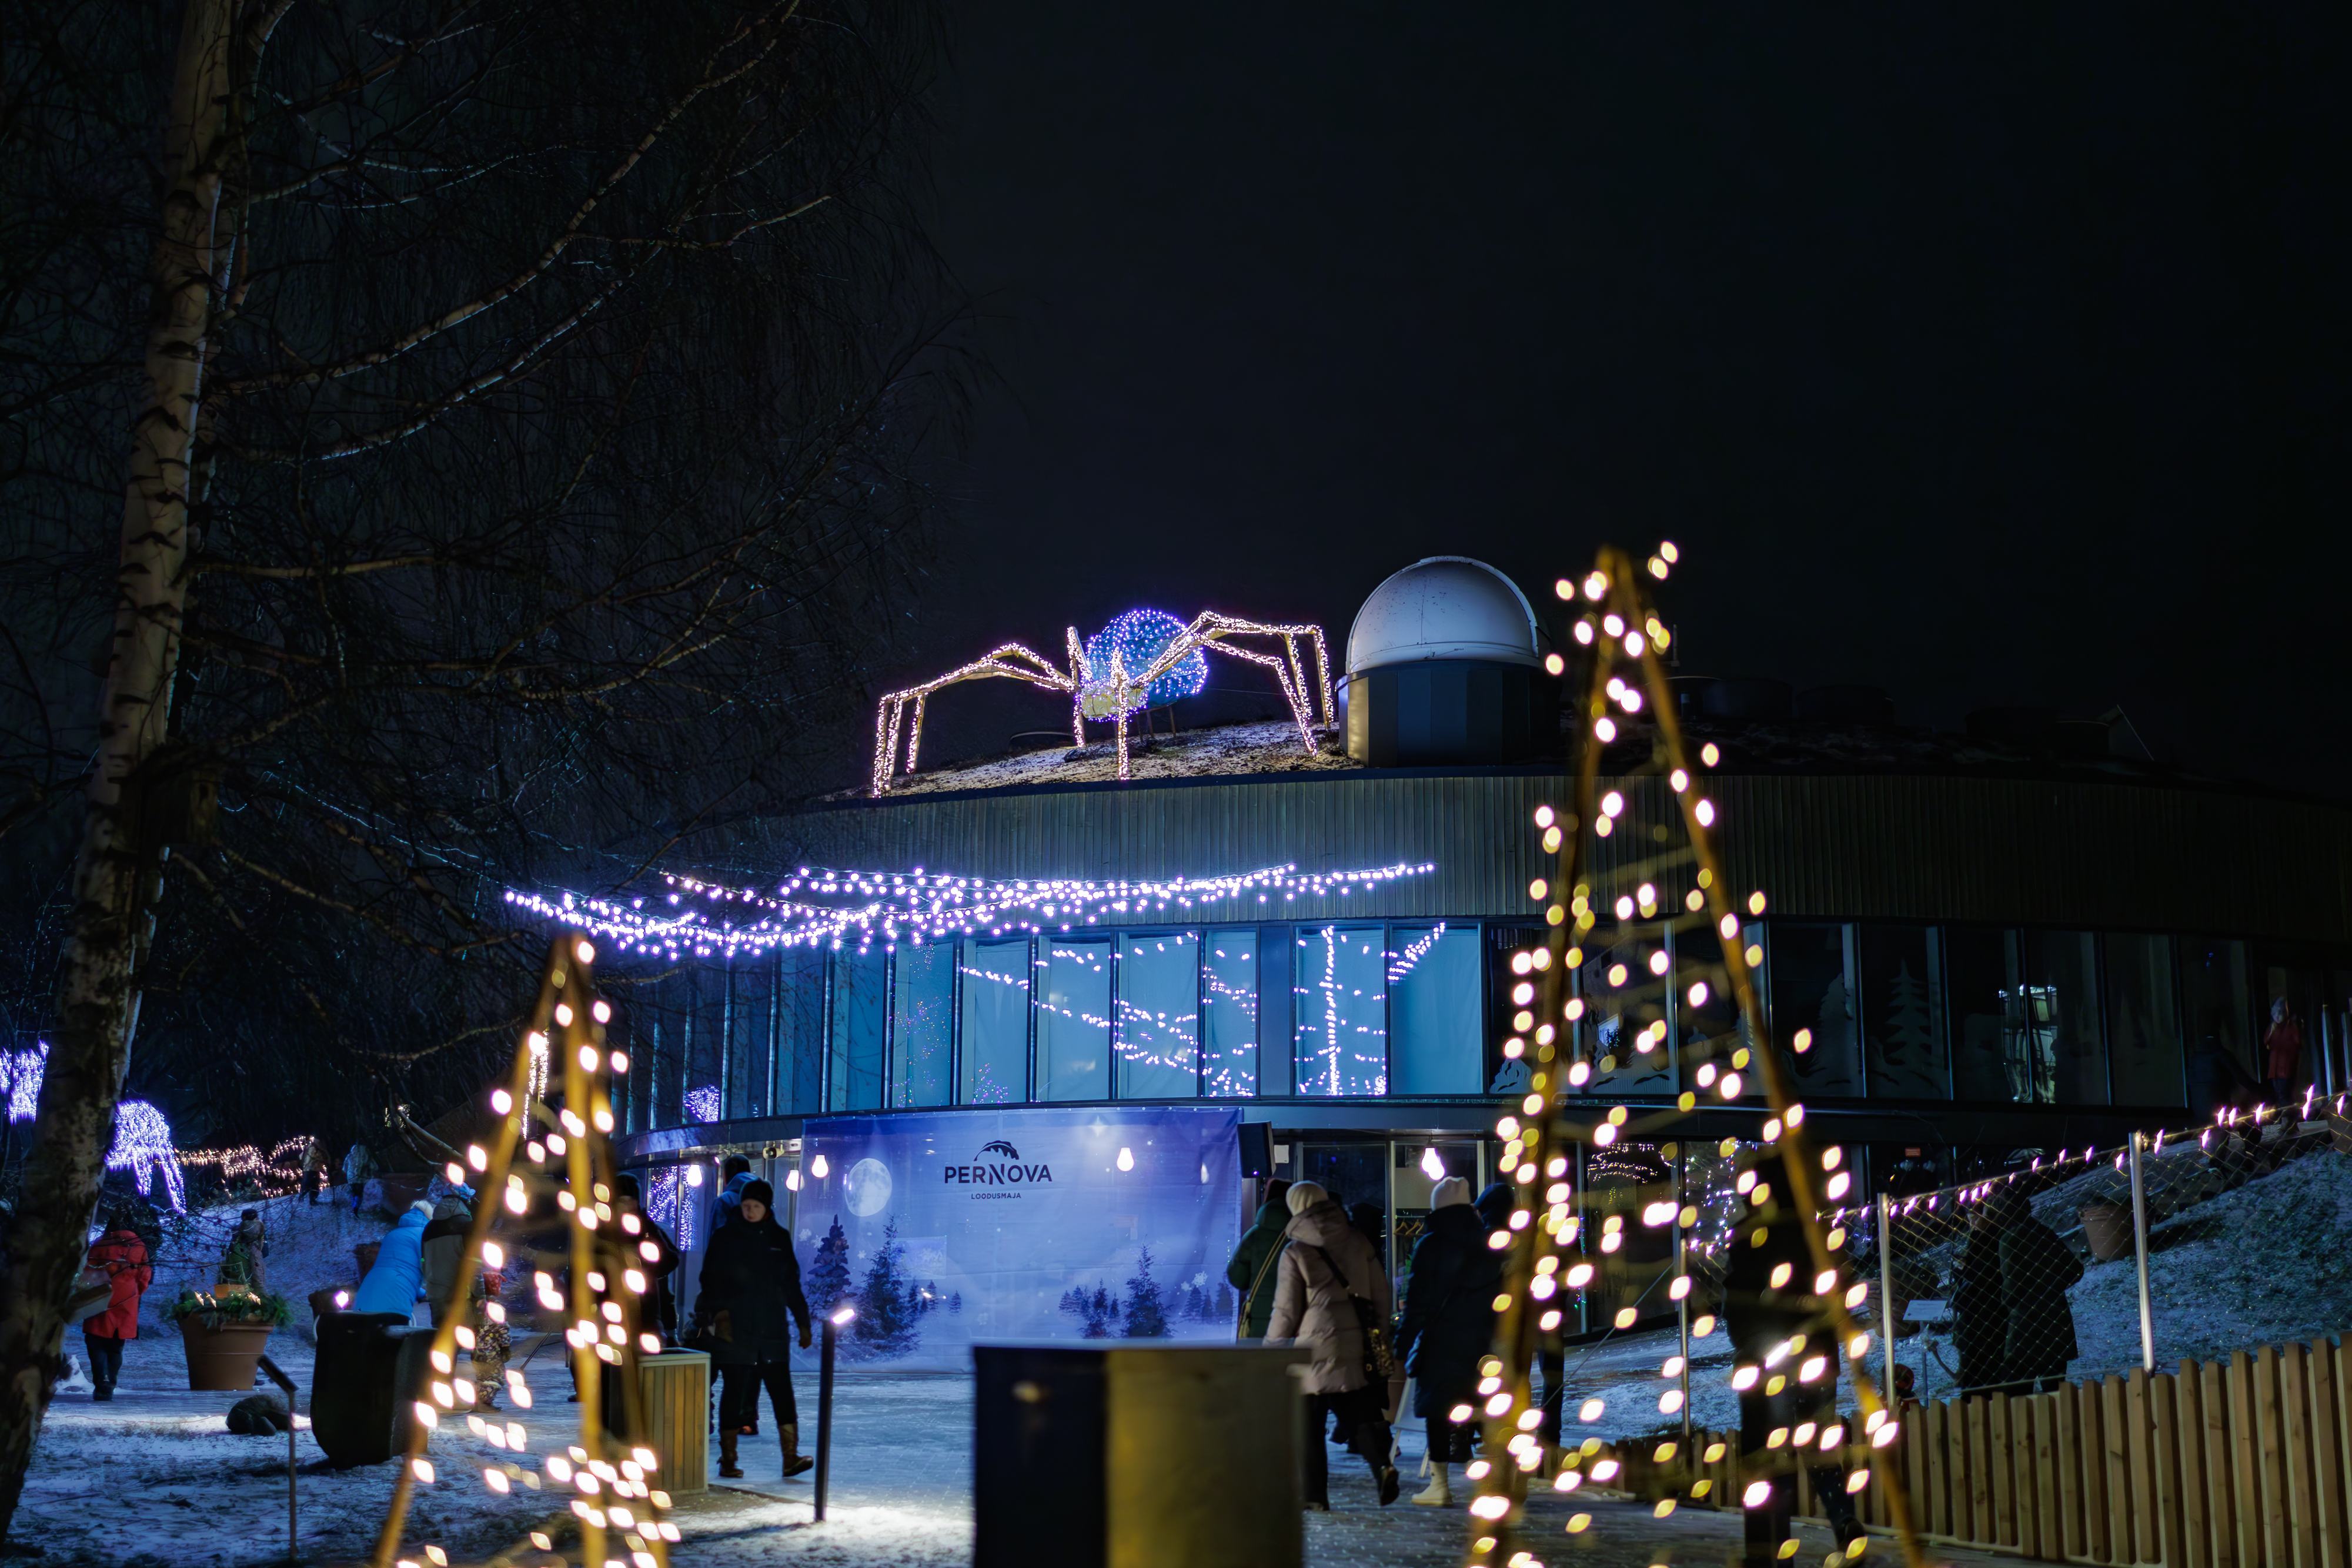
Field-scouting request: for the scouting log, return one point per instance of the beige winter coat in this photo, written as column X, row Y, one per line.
column 1311, row 1309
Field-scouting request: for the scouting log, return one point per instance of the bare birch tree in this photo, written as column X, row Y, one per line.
column 524, row 431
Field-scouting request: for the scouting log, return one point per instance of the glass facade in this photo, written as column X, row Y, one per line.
column 1158, row 1040
column 1436, row 1029
column 994, row 977
column 1367, row 1009
column 1340, row 1004
column 1229, row 1010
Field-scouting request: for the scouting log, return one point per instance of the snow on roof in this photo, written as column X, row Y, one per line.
column 1266, row 748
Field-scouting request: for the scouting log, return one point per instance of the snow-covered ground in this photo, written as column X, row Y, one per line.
column 310, row 1249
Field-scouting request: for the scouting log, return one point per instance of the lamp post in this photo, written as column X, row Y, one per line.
column 833, row 1322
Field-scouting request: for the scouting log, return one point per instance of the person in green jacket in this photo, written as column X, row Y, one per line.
column 1250, row 1273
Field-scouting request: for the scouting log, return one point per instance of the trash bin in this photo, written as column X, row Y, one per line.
column 371, row 1368
column 675, row 1390
column 1136, row 1455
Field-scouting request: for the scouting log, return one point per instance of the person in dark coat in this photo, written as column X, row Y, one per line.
column 2037, row 1270
column 1494, row 1205
column 1371, row 1222
column 661, row 1298
column 441, row 1250
column 1768, row 1244
column 1980, row 1310
column 749, row 1294
column 1251, row 1269
column 123, row 1256
column 241, row 1263
column 1449, row 1323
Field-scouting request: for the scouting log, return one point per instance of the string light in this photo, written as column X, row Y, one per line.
column 829, row 908
column 1623, row 1016
column 1143, row 656
column 613, row 1490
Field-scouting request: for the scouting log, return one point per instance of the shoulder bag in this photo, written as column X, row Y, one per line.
column 1380, row 1352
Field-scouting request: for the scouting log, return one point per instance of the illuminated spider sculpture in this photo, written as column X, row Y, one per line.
column 1143, row 658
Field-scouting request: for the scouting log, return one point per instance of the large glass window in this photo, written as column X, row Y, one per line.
column 922, row 1023
column 799, row 1047
column 1341, row 1009
column 2143, row 1021
column 2221, row 1069
column 854, row 1082
column 1812, row 996
column 2062, row 972
column 993, row 1061
column 1433, row 974
column 1977, row 980
column 1901, row 1006
column 1073, row 1021
column 1625, row 1010
column 1159, row 1038
column 1505, row 1002
column 1229, row 982
column 2025, row 1017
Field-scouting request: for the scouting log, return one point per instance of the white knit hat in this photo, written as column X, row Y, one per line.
column 1304, row 1196
column 1449, row 1192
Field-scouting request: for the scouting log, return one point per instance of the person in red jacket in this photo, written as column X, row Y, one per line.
column 124, row 1258
column 2283, row 1047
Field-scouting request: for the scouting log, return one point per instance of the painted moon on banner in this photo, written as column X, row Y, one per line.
column 868, row 1187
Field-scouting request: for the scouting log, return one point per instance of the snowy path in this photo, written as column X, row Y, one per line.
column 153, row 1480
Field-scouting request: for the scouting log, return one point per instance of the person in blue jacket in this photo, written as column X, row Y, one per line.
column 396, row 1282
column 736, row 1174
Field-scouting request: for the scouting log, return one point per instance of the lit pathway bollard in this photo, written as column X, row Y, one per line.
column 285, row 1383
column 825, row 1402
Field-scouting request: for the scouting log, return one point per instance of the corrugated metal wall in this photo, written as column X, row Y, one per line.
column 1854, row 847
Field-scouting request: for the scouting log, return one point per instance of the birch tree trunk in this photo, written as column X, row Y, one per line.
column 118, row 872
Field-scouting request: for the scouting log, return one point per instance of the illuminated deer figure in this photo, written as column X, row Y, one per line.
column 1142, row 658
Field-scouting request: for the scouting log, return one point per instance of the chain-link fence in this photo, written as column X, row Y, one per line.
column 2090, row 1263
column 2008, row 1284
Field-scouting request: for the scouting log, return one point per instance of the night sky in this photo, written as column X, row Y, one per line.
column 1990, row 354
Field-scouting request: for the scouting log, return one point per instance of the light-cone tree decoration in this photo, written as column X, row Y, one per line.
column 1626, row 915
column 562, row 1149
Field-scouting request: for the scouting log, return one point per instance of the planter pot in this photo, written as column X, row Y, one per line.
column 222, row 1360
column 2107, row 1229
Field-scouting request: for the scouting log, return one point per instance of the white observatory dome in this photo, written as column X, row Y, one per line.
column 1446, row 607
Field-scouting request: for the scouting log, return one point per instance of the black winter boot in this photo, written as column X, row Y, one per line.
column 795, row 1463
column 727, row 1465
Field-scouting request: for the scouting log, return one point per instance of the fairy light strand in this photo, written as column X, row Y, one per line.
column 840, row 909
column 1616, row 624
column 538, row 1150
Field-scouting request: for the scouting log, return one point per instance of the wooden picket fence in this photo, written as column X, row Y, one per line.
column 2243, row 1464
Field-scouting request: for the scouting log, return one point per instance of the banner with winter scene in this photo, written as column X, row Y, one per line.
column 975, row 1225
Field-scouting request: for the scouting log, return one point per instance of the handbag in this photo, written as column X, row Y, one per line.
column 1380, row 1351
column 92, row 1292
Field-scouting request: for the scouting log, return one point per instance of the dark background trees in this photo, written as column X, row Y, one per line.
column 561, row 466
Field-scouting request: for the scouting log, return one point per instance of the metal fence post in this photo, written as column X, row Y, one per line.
column 1886, row 1297
column 2140, row 1250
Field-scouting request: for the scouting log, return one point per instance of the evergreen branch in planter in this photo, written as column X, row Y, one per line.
column 214, row 1312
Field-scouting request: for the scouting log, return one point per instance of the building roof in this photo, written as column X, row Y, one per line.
column 1748, row 746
